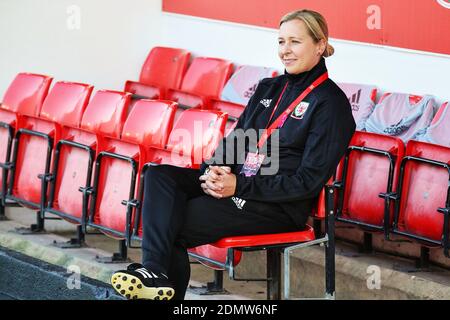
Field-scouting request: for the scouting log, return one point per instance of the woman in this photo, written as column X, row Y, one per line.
column 185, row 208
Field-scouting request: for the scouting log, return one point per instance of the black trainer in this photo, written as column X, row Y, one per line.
column 137, row 282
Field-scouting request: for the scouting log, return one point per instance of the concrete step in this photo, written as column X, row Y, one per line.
column 39, row 248
column 358, row 276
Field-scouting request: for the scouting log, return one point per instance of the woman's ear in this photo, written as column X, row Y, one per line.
column 322, row 45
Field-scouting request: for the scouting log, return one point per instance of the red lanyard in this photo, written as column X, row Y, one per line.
column 278, row 102
column 282, row 117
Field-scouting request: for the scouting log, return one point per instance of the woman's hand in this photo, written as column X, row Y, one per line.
column 219, row 182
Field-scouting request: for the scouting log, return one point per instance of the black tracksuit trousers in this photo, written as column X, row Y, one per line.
column 177, row 215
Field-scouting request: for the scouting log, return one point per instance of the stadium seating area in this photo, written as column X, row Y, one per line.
column 81, row 156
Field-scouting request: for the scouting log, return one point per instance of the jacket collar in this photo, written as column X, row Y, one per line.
column 304, row 79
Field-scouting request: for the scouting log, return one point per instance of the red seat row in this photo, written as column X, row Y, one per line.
column 388, row 188
column 58, row 145
column 81, row 157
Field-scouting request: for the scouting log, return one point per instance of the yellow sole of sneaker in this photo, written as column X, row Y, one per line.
column 131, row 287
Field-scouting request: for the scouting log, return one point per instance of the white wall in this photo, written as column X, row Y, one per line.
column 109, row 47
column 388, row 68
column 116, row 35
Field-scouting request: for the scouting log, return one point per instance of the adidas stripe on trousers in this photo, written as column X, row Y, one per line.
column 177, row 215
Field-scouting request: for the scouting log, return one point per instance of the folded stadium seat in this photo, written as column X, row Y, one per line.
column 401, row 115
column 35, row 140
column 194, row 137
column 439, row 131
column 365, row 180
column 238, row 90
column 362, row 99
column 164, row 68
column 70, row 180
column 117, row 168
column 422, row 200
column 204, row 80
column 25, row 95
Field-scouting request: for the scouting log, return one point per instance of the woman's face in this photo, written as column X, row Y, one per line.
column 296, row 48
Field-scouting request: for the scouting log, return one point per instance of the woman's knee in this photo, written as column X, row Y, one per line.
column 155, row 171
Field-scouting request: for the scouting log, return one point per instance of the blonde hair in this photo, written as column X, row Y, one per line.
column 316, row 24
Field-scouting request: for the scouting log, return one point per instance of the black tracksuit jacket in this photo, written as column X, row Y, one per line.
column 310, row 148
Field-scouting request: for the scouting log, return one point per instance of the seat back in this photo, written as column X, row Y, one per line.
column 165, row 67
column 106, row 113
column 368, row 175
column 233, row 110
column 64, row 104
column 148, row 124
column 424, row 189
column 242, row 84
column 207, row 76
column 26, row 93
column 362, row 99
column 439, row 130
column 197, row 134
column 401, row 115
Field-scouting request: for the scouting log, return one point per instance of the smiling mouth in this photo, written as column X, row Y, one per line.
column 289, row 61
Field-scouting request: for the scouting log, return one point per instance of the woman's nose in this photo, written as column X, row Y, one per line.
column 285, row 48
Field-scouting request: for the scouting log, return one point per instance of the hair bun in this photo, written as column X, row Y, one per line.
column 329, row 51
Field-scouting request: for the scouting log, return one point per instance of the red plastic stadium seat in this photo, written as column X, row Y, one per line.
column 193, row 138
column 119, row 165
column 371, row 167
column 266, row 239
column 164, row 68
column 25, row 95
column 233, row 110
column 204, row 80
column 423, row 204
column 36, row 137
column 226, row 253
column 218, row 251
column 439, row 131
column 362, row 99
column 76, row 151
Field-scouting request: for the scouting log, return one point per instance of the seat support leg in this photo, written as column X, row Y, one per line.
column 37, row 227
column 273, row 274
column 117, row 257
column 78, row 242
column 367, row 246
column 330, row 263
